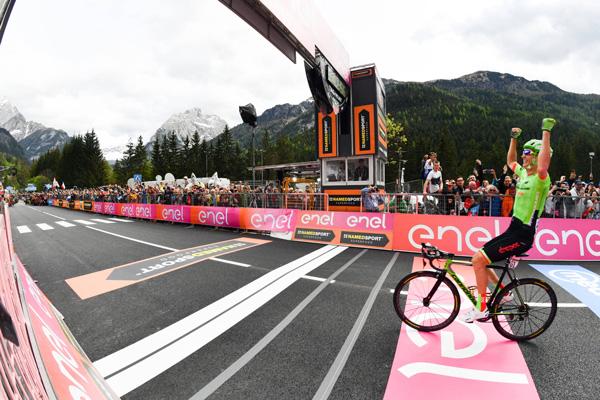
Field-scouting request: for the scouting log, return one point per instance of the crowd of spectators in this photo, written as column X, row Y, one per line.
column 198, row 194
column 487, row 193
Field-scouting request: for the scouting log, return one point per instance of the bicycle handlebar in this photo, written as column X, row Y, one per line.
column 432, row 253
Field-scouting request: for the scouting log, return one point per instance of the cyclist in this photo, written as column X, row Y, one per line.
column 531, row 192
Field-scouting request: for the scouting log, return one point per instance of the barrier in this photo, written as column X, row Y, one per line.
column 556, row 239
column 39, row 358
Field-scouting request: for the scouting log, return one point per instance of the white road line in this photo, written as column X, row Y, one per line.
column 316, row 278
column 179, row 347
column 239, row 264
column 560, row 305
column 120, row 220
column 84, row 222
column 133, row 239
column 44, row 227
column 52, row 215
column 137, row 351
column 65, row 224
column 103, row 221
column 23, row 229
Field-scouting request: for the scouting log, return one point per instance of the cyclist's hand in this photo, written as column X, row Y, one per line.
column 548, row 124
column 515, row 133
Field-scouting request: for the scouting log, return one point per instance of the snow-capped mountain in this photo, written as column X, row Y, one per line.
column 42, row 140
column 186, row 123
column 14, row 122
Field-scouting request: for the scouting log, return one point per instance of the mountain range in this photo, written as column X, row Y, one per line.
column 462, row 119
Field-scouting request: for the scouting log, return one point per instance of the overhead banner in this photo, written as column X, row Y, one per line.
column 345, row 228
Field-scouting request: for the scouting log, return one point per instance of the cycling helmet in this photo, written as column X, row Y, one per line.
column 535, row 145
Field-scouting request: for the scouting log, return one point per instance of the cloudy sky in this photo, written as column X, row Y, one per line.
column 123, row 67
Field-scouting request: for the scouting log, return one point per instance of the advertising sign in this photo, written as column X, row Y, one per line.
column 98, row 207
column 145, row 211
column 364, row 129
column 173, row 213
column 327, row 132
column 556, row 239
column 268, row 219
column 226, row 217
column 346, row 228
column 70, row 372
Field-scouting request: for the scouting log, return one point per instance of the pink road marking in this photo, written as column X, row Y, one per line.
column 467, row 360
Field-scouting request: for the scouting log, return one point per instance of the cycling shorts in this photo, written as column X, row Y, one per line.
column 517, row 239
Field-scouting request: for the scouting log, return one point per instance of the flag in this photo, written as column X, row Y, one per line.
column 54, row 183
column 62, row 186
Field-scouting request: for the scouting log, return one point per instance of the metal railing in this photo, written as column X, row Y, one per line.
column 299, row 201
column 479, row 204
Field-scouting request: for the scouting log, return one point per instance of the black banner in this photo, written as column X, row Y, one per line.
column 364, row 238
column 71, row 204
column 344, row 200
column 364, row 130
column 321, row 235
column 327, row 129
column 87, row 205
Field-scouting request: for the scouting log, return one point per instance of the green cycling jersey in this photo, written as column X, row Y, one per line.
column 531, row 195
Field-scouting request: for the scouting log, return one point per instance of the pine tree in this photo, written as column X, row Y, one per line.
column 196, row 155
column 204, row 153
column 157, row 160
column 183, row 159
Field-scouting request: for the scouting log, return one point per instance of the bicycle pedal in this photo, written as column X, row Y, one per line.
column 486, row 319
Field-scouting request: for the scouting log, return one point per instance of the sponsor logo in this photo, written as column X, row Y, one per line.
column 109, row 208
column 360, row 221
column 344, row 200
column 127, row 210
column 172, row 214
column 508, row 248
column 587, row 280
column 474, row 238
column 215, row 218
column 364, row 239
column 143, row 212
column 584, row 243
column 321, row 235
column 270, row 222
column 87, row 205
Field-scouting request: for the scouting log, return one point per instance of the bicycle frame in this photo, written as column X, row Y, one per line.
column 448, row 270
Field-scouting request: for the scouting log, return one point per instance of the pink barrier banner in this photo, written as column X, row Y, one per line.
column 346, row 228
column 173, row 213
column 71, row 373
column 98, row 207
column 226, row 217
column 145, row 211
column 109, row 208
column 464, row 361
column 125, row 210
column 268, row 219
column 556, row 239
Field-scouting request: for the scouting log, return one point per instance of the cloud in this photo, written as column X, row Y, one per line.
column 124, row 67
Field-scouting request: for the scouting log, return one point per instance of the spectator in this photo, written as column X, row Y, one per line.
column 370, row 198
column 433, row 182
column 428, row 166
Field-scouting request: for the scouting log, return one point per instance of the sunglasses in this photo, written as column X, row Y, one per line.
column 527, row 152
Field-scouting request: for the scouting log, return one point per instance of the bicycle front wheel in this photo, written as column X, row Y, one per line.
column 529, row 312
column 421, row 309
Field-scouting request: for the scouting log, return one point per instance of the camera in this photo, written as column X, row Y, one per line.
column 488, row 171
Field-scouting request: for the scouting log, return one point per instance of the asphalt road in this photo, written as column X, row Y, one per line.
column 261, row 323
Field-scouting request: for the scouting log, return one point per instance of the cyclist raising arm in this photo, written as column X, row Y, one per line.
column 532, row 190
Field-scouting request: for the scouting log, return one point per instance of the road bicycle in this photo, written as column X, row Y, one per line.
column 428, row 300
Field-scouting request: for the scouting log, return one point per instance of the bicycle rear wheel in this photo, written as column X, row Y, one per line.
column 423, row 314
column 529, row 313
